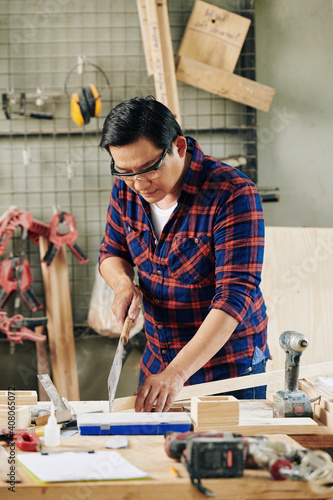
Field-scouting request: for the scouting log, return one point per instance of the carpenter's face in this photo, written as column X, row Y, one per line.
column 153, row 185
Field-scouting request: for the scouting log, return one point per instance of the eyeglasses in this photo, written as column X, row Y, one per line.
column 150, row 172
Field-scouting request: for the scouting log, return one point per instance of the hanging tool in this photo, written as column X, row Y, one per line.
column 292, row 402
column 117, row 361
column 7, row 109
column 25, row 440
column 18, row 328
column 9, row 283
column 63, row 220
column 62, row 410
column 13, row 218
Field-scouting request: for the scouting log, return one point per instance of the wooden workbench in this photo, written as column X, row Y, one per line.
column 147, row 453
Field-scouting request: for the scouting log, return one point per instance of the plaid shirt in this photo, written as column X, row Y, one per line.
column 209, row 255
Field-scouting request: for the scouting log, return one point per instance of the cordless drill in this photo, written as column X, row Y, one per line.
column 292, row 402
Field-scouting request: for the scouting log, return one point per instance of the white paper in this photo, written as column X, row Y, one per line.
column 80, row 466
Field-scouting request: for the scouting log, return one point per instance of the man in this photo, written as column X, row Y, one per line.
column 194, row 228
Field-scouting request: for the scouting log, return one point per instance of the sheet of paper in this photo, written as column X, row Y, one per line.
column 80, row 466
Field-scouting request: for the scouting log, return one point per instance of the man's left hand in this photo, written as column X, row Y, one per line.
column 158, row 390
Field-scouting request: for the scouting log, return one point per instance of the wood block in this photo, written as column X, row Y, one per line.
column 214, row 36
column 18, row 397
column 215, row 410
column 221, row 82
column 20, row 417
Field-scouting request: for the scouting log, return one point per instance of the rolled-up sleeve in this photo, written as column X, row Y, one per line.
column 239, row 250
column 114, row 241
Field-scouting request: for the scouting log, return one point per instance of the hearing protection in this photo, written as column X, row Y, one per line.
column 86, row 103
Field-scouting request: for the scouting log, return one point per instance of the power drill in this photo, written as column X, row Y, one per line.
column 292, row 402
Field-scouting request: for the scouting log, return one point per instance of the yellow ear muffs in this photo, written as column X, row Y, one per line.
column 86, row 103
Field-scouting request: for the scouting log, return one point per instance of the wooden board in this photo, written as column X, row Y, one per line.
column 160, row 48
column 214, row 36
column 298, row 290
column 143, row 20
column 214, row 410
column 60, row 323
column 232, row 384
column 223, row 83
column 18, row 397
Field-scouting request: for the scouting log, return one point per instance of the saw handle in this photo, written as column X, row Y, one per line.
column 126, row 330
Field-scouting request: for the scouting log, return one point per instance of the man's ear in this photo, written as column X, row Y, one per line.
column 181, row 145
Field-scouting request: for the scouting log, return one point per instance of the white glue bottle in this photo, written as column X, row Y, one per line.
column 52, row 430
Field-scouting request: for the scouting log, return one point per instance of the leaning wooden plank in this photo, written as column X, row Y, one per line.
column 258, row 426
column 162, row 55
column 223, row 83
column 168, row 59
column 142, row 11
column 18, row 397
column 60, row 323
column 232, row 384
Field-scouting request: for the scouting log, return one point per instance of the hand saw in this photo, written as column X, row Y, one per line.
column 117, row 362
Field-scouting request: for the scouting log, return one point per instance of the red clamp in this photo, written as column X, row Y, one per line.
column 57, row 239
column 9, row 283
column 13, row 218
column 24, row 440
column 17, row 328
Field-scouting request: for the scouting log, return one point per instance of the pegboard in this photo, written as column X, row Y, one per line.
column 52, row 164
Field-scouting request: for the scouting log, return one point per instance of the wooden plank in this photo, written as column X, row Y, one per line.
column 168, row 59
column 223, row 83
column 142, row 11
column 60, row 323
column 257, row 426
column 232, row 384
column 297, row 287
column 162, row 55
column 214, row 36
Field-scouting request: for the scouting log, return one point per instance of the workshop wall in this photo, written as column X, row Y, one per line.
column 294, row 41
column 48, row 165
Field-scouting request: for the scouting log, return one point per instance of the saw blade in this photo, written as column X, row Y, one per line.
column 115, row 373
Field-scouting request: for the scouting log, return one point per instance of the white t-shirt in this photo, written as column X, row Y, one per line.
column 160, row 217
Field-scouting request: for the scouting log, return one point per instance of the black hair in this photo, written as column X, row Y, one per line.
column 140, row 117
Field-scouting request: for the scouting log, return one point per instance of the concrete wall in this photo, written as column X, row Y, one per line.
column 294, row 41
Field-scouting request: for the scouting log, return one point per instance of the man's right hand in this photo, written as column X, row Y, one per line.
column 127, row 300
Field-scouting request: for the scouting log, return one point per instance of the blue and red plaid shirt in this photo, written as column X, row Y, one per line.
column 209, row 255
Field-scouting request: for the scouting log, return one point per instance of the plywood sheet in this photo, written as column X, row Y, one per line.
column 214, row 36
column 297, row 286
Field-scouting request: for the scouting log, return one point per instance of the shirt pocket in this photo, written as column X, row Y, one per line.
column 191, row 260
column 138, row 245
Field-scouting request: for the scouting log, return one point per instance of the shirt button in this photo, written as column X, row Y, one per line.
column 156, row 301
column 155, row 242
column 164, row 351
column 160, row 327
column 159, row 271
column 196, row 240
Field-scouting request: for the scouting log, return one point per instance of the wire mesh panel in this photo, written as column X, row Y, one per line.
column 49, row 163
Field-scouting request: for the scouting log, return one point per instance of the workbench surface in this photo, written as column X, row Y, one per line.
column 147, row 453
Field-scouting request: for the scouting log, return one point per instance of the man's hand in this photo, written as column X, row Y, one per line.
column 161, row 388
column 127, row 300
